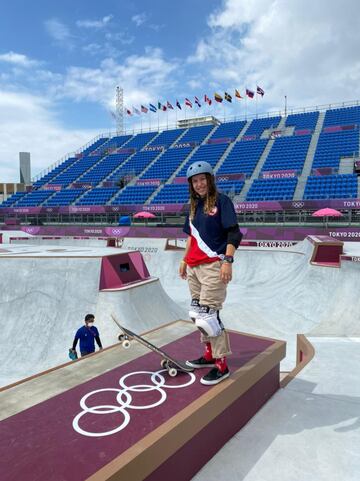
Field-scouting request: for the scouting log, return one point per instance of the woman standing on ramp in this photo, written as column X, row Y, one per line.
column 214, row 236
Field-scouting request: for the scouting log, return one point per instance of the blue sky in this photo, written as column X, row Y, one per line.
column 60, row 63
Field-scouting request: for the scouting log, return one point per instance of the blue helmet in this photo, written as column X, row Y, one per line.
column 200, row 167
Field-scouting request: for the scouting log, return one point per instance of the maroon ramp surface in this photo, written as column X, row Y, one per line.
column 74, row 434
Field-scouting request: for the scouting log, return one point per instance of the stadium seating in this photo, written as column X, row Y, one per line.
column 258, row 126
column 34, row 198
column 94, row 146
column 343, row 116
column 230, row 187
column 167, row 137
column 75, row 171
column 135, row 165
column 55, row 172
column 334, row 145
column 134, row 194
column 229, row 130
column 140, row 140
column 167, row 163
column 197, row 134
column 97, row 175
column 11, row 201
column 243, row 157
column 172, row 194
column 64, row 197
column 98, row 196
column 103, row 168
column 272, row 189
column 287, row 153
column 211, row 153
column 115, row 142
column 331, row 187
column 302, row 121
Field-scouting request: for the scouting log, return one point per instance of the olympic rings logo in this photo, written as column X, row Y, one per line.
column 116, row 231
column 124, row 400
column 298, row 205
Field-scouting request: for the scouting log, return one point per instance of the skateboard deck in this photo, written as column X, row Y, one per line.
column 168, row 362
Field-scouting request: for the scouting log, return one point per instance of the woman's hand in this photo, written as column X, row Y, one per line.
column 182, row 270
column 226, row 272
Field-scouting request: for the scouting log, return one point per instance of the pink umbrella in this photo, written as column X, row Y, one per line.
column 327, row 212
column 144, row 215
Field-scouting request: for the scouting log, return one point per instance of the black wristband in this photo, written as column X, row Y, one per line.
column 228, row 259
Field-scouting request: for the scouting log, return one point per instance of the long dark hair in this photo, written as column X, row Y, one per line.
column 210, row 199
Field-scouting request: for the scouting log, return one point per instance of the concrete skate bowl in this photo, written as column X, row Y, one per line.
column 46, row 294
column 276, row 292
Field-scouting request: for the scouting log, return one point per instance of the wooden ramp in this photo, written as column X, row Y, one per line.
column 117, row 415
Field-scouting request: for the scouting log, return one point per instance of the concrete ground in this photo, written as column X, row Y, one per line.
column 311, row 428
column 308, row 430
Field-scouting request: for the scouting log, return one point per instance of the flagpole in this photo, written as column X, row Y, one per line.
column 176, row 107
column 256, row 107
column 245, row 106
column 158, row 119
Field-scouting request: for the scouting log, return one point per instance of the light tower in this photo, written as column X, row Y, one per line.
column 119, row 110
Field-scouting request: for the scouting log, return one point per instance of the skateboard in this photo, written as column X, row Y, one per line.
column 73, row 354
column 173, row 366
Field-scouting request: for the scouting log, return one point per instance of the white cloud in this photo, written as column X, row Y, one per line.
column 27, row 124
column 58, row 31
column 143, row 77
column 139, row 19
column 120, row 37
column 97, row 24
column 194, row 83
column 305, row 49
column 18, row 59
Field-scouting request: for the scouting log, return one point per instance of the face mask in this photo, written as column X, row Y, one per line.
column 90, row 324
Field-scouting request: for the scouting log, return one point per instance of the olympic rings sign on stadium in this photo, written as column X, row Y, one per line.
column 117, row 232
column 298, row 205
column 124, row 400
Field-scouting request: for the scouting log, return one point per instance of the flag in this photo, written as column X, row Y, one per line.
column 218, row 97
column 152, row 108
column 169, row 106
column 178, row 104
column 136, row 111
column 260, row 91
column 188, row 103
column 207, row 100
column 144, row 109
column 197, row 101
column 237, row 94
column 128, row 111
column 228, row 97
column 159, row 106
column 164, row 108
column 250, row 93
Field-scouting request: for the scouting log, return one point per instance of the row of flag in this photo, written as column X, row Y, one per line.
column 188, row 103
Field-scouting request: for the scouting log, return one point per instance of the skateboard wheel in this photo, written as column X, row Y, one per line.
column 172, row 372
column 163, row 363
column 121, row 337
column 126, row 344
